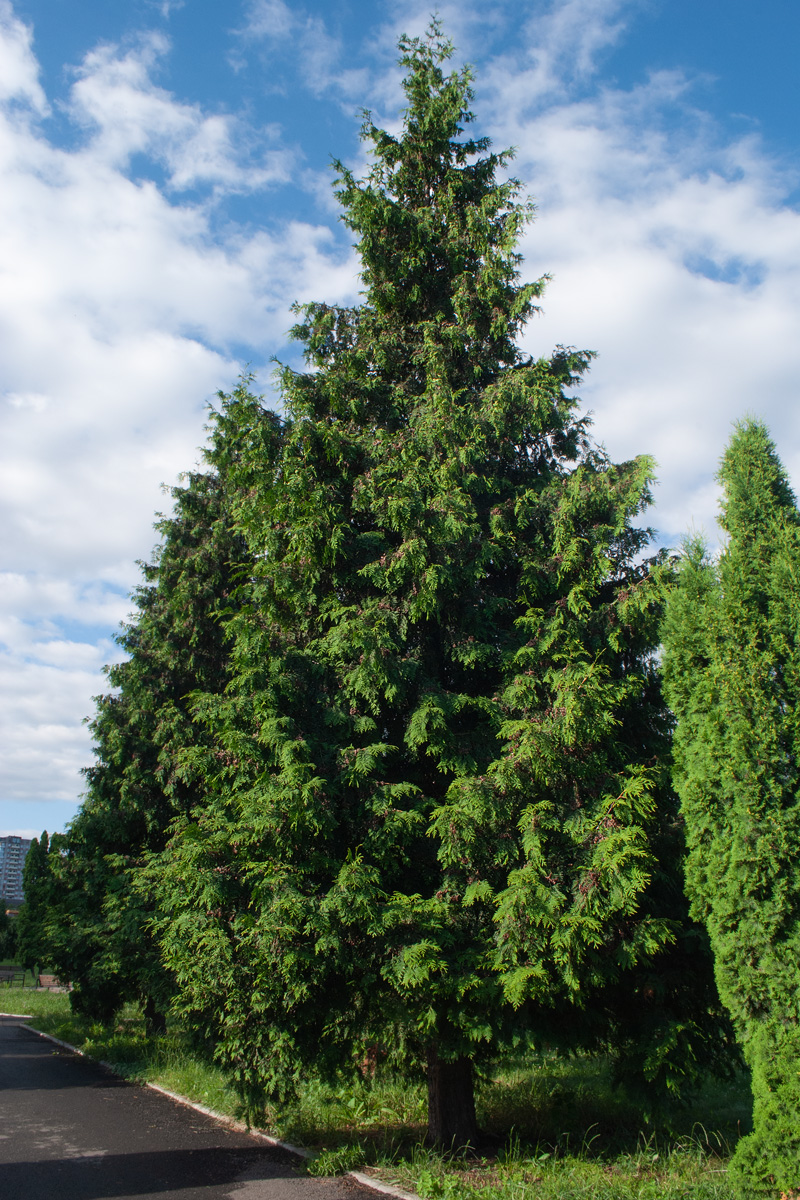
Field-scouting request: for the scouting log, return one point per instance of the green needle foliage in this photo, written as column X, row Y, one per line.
column 732, row 676
column 434, row 813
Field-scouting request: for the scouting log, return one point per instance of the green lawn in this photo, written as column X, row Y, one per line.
column 27, row 1000
column 560, row 1129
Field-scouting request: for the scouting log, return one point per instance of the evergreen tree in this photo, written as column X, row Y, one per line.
column 732, row 676
column 434, row 813
column 32, row 944
column 8, row 939
column 99, row 924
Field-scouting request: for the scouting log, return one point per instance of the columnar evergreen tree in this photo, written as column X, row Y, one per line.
column 8, row 934
column 434, row 812
column 732, row 676
column 32, row 944
column 99, row 925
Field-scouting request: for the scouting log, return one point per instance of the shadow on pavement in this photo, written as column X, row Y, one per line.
column 95, row 1177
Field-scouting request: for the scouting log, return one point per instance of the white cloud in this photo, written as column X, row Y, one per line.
column 674, row 254
column 47, row 685
column 44, row 747
column 19, row 70
column 564, row 43
column 115, row 98
column 28, row 602
column 318, row 53
column 166, row 7
column 272, row 19
column 111, row 303
column 122, row 312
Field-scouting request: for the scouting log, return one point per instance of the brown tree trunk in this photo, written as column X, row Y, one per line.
column 154, row 1020
column 451, row 1103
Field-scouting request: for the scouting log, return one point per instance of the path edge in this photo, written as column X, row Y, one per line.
column 377, row 1185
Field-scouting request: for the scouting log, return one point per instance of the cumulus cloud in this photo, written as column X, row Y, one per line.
column 563, row 42
column 122, row 311
column 115, row 98
column 323, row 61
column 44, row 747
column 272, row 19
column 19, row 70
column 47, row 682
column 674, row 254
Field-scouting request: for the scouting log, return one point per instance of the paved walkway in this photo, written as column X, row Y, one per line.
column 70, row 1130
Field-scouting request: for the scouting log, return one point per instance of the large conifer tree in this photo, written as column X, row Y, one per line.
column 434, row 808
column 732, row 676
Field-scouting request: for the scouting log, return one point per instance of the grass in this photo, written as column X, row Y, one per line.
column 565, row 1131
column 682, row 1170
column 38, row 1004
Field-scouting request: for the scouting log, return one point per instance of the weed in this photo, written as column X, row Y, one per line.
column 336, row 1162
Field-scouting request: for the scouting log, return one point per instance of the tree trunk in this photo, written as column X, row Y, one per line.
column 451, row 1102
column 155, row 1021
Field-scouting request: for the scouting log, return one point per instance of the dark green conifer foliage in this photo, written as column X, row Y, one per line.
column 32, row 945
column 732, row 676
column 99, row 926
column 435, row 813
column 8, row 934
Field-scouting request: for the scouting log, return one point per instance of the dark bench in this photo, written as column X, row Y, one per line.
column 11, row 977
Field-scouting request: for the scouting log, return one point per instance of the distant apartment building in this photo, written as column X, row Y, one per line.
column 12, row 858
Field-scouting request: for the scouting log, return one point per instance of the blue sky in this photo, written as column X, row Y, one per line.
column 165, row 196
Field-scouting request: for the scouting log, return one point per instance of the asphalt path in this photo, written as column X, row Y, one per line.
column 71, row 1130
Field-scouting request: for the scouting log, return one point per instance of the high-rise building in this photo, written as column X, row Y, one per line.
column 12, row 858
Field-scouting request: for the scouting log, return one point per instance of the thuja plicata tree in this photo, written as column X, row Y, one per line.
column 732, row 676
column 435, row 816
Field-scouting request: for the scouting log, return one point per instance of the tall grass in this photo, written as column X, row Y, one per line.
column 679, row 1170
